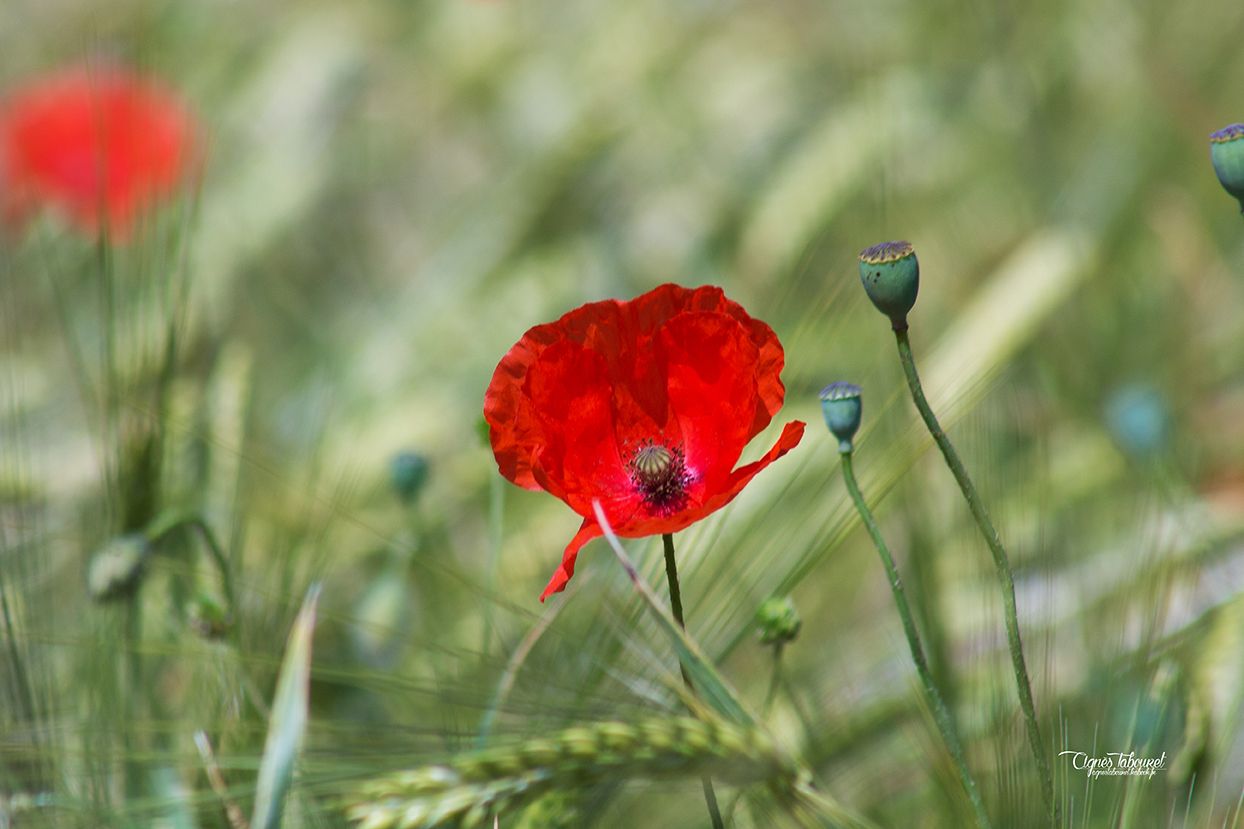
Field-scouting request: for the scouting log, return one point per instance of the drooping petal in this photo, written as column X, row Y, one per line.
column 792, row 433
column 587, row 531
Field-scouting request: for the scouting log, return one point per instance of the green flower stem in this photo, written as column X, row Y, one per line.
column 671, row 575
column 135, row 695
column 1002, row 565
column 496, row 533
column 941, row 715
column 109, row 393
column 108, row 310
column 775, row 679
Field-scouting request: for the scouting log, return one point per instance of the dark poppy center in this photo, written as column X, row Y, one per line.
column 660, row 474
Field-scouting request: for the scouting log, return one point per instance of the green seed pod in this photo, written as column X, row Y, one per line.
column 778, row 620
column 1226, row 151
column 891, row 276
column 116, row 569
column 841, row 406
column 408, row 472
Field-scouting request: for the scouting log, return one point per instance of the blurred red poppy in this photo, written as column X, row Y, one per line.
column 98, row 144
column 643, row 405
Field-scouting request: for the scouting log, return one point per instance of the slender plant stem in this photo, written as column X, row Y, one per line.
column 216, row 780
column 26, row 701
column 941, row 714
column 108, row 357
column 926, row 605
column 775, row 679
column 801, row 710
column 496, row 533
column 671, row 575
column 135, row 694
column 1002, row 566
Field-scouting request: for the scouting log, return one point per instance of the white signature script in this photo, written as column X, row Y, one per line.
column 1116, row 764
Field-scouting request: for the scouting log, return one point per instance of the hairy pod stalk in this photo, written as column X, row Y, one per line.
column 941, row 714
column 842, row 407
column 469, row 791
column 1002, row 566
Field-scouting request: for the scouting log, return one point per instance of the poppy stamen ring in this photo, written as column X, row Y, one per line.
column 660, row 474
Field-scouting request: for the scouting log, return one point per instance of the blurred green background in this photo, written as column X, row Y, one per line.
column 394, row 192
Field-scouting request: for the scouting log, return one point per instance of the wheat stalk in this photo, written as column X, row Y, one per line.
column 468, row 791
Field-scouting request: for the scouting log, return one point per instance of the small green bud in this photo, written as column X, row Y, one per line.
column 841, row 405
column 408, row 472
column 778, row 620
column 1226, row 151
column 891, row 276
column 116, row 569
column 208, row 618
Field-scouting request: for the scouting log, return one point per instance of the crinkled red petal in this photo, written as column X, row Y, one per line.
column 770, row 361
column 571, row 399
column 626, row 334
column 513, row 430
column 711, row 376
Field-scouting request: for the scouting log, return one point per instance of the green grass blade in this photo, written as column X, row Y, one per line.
column 289, row 719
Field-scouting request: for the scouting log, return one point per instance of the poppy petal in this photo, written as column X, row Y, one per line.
column 512, row 429
column 572, row 400
column 587, row 531
column 769, row 364
column 711, row 369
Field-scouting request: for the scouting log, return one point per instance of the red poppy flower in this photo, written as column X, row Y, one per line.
column 97, row 144
column 643, row 405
